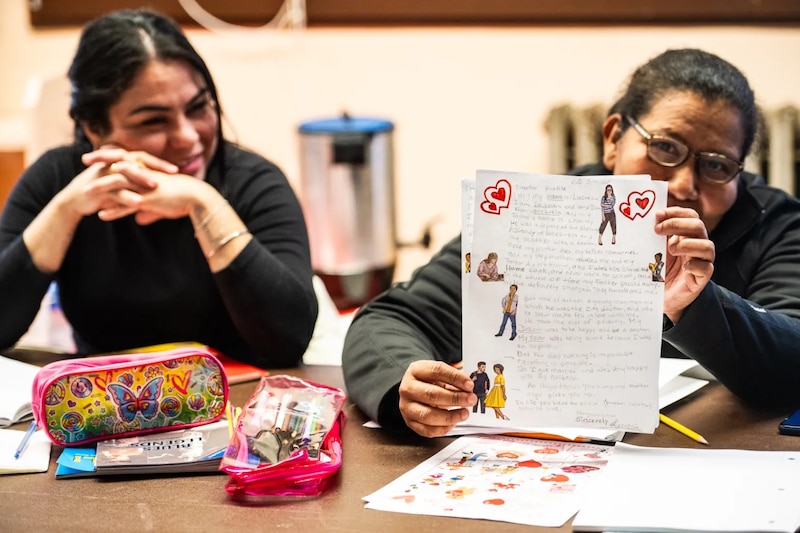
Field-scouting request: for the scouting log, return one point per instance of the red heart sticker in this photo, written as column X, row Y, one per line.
column 639, row 204
column 497, row 197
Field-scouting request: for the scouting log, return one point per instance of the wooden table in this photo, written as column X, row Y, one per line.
column 372, row 458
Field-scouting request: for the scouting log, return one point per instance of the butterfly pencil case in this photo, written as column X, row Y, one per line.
column 77, row 401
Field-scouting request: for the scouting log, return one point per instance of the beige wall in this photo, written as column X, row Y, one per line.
column 461, row 99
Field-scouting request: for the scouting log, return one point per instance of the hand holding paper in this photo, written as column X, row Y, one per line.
column 690, row 258
column 429, row 391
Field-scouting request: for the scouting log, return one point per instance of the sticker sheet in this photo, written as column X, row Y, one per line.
column 509, row 479
column 563, row 300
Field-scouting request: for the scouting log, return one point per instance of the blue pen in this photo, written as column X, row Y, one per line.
column 25, row 439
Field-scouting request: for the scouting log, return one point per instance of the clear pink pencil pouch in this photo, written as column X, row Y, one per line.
column 287, row 441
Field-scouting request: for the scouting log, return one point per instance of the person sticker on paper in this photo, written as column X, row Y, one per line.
column 481, row 380
column 509, row 304
column 467, row 263
column 657, row 267
column 487, row 269
column 497, row 396
column 608, row 215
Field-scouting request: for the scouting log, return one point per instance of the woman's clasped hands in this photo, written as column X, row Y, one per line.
column 118, row 183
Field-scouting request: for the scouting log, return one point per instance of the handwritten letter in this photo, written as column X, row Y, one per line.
column 564, row 299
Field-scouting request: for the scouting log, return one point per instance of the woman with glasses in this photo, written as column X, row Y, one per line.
column 731, row 288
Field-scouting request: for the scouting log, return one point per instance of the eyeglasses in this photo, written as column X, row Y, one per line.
column 714, row 168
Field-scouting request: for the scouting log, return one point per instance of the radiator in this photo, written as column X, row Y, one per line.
column 575, row 138
column 776, row 154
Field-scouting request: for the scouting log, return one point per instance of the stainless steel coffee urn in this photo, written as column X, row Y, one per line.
column 347, row 183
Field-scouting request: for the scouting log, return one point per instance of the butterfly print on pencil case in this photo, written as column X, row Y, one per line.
column 129, row 403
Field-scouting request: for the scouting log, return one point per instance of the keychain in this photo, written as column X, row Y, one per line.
column 287, row 441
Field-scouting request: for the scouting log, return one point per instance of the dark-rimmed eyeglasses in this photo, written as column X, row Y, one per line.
column 667, row 152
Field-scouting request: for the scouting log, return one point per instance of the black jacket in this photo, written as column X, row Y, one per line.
column 744, row 327
column 124, row 286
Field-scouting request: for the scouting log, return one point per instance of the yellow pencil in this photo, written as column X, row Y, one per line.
column 229, row 415
column 682, row 429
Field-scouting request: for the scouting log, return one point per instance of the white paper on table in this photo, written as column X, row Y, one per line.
column 509, row 479
column 672, row 489
column 35, row 457
column 678, row 388
column 673, row 384
column 669, row 367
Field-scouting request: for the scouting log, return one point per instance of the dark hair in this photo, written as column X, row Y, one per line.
column 605, row 191
column 112, row 51
column 498, row 365
column 481, row 363
column 513, row 285
column 702, row 73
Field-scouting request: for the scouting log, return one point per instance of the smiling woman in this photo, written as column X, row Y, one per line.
column 155, row 227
